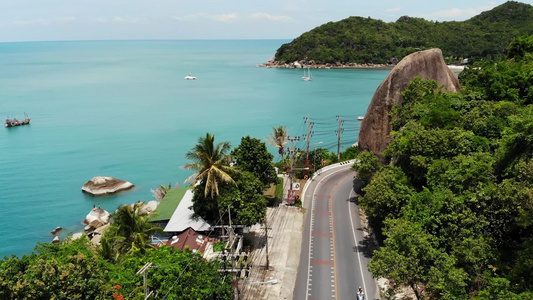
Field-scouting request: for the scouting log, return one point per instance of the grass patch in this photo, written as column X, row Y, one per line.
column 279, row 188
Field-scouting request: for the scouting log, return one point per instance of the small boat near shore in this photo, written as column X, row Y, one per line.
column 360, row 118
column 16, row 122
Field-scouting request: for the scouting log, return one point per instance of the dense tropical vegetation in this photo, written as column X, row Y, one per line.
column 212, row 165
column 366, row 40
column 73, row 270
column 128, row 232
column 452, row 201
column 76, row 269
column 253, row 173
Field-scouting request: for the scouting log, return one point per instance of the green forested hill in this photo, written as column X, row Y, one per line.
column 452, row 201
column 365, row 40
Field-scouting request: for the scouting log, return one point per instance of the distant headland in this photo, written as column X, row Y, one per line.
column 358, row 42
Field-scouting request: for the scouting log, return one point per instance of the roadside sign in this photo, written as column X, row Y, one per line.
column 291, row 195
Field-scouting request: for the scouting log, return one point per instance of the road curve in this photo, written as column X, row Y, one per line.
column 335, row 252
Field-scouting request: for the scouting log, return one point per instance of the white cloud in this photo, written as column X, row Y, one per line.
column 394, row 9
column 269, row 17
column 45, row 22
column 98, row 20
column 32, row 22
column 489, row 6
column 118, row 19
column 225, row 18
column 65, row 20
column 458, row 13
column 204, row 16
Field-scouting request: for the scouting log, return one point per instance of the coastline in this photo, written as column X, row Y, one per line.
column 71, row 122
column 312, row 65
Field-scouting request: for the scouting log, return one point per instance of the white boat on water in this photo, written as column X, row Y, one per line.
column 190, row 77
column 309, row 77
column 360, row 118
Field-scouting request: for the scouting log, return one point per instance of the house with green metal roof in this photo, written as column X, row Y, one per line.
column 168, row 205
column 174, row 213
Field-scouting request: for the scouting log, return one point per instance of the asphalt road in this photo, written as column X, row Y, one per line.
column 335, row 252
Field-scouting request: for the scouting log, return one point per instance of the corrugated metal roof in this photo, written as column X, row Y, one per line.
column 182, row 217
column 168, row 205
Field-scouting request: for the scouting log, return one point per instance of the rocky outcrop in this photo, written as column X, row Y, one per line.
column 53, row 232
column 96, row 219
column 272, row 63
column 376, row 126
column 148, row 208
column 105, row 185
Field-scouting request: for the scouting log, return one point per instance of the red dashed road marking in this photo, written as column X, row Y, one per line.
column 322, row 212
column 331, row 183
column 321, row 234
column 321, row 262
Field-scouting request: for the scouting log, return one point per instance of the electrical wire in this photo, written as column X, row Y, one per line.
column 208, row 236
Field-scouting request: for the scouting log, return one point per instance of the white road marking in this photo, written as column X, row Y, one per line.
column 355, row 239
column 312, row 219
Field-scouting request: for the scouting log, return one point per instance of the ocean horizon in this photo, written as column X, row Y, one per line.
column 123, row 109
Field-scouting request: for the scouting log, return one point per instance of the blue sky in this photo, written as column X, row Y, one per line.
column 53, row 20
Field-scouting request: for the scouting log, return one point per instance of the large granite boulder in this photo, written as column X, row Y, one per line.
column 376, row 126
column 101, row 185
column 96, row 219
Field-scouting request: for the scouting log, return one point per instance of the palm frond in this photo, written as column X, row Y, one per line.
column 278, row 137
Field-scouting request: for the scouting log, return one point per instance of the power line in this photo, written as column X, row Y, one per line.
column 208, row 236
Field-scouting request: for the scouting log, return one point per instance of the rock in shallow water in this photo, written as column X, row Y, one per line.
column 101, row 185
column 56, row 230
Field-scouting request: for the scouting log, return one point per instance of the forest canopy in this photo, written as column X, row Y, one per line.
column 452, row 203
column 366, row 40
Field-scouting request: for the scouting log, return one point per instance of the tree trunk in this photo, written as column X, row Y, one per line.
column 415, row 290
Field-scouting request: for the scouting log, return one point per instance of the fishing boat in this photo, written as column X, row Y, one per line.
column 307, row 77
column 190, row 77
column 16, row 122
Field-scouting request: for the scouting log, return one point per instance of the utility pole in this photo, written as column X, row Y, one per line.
column 143, row 271
column 339, row 137
column 231, row 240
column 230, row 229
column 291, row 153
column 308, row 138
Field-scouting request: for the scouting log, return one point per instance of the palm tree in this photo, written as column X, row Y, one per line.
column 129, row 231
column 211, row 164
column 161, row 191
column 278, row 139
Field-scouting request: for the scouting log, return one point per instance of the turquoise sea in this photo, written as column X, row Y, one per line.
column 123, row 109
